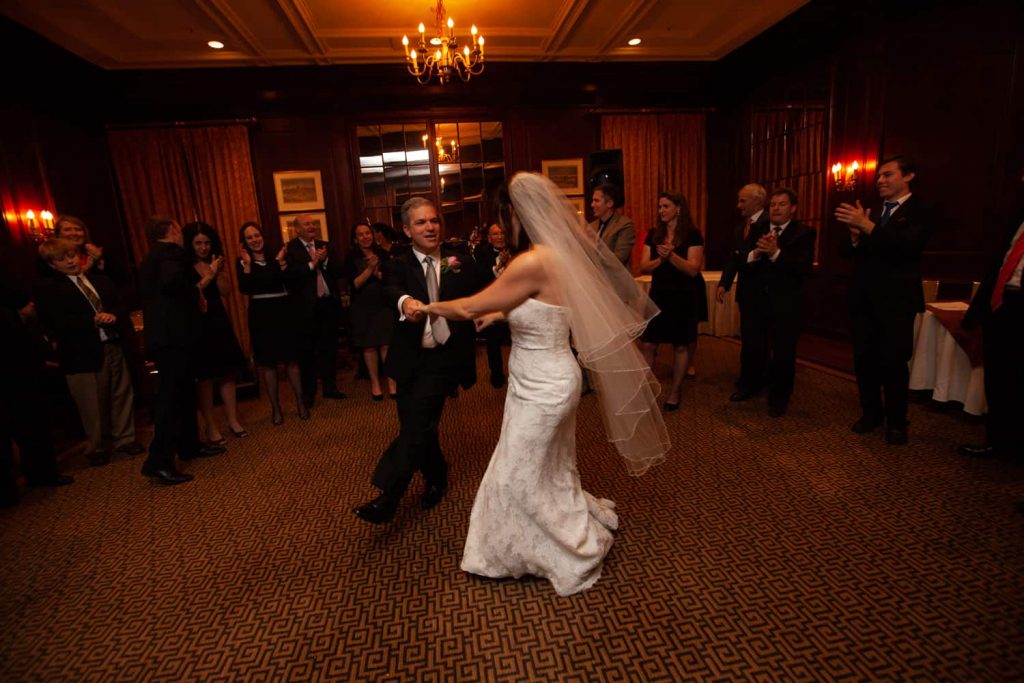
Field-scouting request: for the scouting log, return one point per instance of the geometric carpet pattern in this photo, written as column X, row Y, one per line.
column 761, row 549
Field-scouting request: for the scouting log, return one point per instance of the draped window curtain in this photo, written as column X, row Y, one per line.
column 660, row 152
column 190, row 174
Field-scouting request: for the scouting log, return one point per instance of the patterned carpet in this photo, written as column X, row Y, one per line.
column 763, row 549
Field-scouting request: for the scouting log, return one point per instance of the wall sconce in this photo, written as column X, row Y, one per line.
column 39, row 228
column 845, row 177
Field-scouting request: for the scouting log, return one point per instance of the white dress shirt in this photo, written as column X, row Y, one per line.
column 74, row 280
column 428, row 341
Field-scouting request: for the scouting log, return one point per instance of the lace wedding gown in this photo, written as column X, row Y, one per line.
column 531, row 515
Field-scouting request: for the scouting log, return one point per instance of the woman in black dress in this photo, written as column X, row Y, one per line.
column 273, row 322
column 372, row 318
column 220, row 357
column 673, row 254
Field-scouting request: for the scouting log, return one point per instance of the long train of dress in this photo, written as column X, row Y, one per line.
column 531, row 515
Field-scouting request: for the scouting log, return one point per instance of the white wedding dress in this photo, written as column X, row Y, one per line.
column 531, row 516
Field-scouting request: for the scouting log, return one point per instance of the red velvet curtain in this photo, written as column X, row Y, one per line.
column 200, row 173
column 660, row 152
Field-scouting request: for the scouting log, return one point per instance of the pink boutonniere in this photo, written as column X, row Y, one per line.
column 450, row 264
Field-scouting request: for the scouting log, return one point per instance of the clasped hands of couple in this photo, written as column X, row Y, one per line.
column 415, row 310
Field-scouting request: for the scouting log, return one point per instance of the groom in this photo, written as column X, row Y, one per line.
column 427, row 358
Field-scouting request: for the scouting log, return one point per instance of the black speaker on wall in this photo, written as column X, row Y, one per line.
column 606, row 168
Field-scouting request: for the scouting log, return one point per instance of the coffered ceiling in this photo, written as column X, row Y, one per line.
column 154, row 34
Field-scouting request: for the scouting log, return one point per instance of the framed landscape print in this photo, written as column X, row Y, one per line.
column 567, row 174
column 288, row 231
column 298, row 190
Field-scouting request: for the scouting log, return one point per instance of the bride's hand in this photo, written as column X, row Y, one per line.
column 485, row 321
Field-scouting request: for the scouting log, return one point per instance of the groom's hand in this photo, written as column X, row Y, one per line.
column 413, row 309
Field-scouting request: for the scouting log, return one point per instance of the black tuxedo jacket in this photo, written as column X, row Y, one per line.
column 737, row 253
column 485, row 257
column 403, row 275
column 170, row 299
column 69, row 319
column 304, row 283
column 778, row 286
column 887, row 263
column 981, row 304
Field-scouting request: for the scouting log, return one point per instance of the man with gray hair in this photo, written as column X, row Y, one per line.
column 427, row 358
column 750, row 201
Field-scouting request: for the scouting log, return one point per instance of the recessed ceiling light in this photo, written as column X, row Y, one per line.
column 634, row 42
column 216, row 44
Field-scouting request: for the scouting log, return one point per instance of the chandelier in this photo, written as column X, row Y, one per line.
column 442, row 57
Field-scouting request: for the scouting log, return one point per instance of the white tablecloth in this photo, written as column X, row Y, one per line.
column 940, row 365
column 723, row 318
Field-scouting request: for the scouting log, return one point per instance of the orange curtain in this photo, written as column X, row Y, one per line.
column 660, row 152
column 190, row 174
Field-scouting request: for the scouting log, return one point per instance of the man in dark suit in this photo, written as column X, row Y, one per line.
column 81, row 314
column 613, row 228
column 427, row 358
column 491, row 258
column 998, row 308
column 171, row 318
column 317, row 290
column 750, row 201
column 885, row 295
column 24, row 410
column 777, row 258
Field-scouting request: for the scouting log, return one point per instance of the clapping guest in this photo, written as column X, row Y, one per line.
column 373, row 320
column 492, row 257
column 273, row 321
column 82, row 315
column 673, row 255
column 219, row 358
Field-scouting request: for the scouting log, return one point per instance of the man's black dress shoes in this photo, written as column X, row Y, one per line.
column 207, row 451
column 432, row 496
column 133, row 448
column 168, row 477
column 980, row 450
column 497, row 381
column 378, row 511
column 896, row 436
column 864, row 425
column 54, row 481
column 335, row 394
column 742, row 395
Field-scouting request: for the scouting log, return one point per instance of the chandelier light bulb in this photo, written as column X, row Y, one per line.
column 473, row 29
column 634, row 42
column 451, row 23
column 405, row 40
column 422, row 28
column 216, row 44
column 465, row 51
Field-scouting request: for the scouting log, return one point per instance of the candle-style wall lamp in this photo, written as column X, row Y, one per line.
column 845, row 177
column 38, row 226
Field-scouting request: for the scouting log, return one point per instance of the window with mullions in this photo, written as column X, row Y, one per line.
column 458, row 165
column 787, row 149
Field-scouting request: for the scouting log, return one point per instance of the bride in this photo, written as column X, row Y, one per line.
column 531, row 516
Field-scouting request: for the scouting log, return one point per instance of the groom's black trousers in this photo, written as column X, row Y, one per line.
column 417, row 448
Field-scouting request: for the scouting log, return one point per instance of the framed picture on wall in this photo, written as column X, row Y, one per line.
column 298, row 190
column 288, row 230
column 566, row 173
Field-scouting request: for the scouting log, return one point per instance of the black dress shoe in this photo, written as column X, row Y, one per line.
column 742, row 395
column 670, row 407
column 980, row 450
column 865, row 424
column 335, row 394
column 133, row 448
column 207, row 451
column 308, row 401
column 432, row 496
column 378, row 511
column 497, row 381
column 377, row 397
column 54, row 481
column 168, row 477
column 896, row 436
